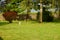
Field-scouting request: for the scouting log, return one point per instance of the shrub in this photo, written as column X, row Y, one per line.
column 47, row 17
column 24, row 17
column 10, row 15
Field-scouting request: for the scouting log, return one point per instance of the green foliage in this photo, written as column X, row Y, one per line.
column 16, row 5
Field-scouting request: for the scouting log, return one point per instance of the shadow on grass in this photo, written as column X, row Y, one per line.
column 3, row 23
column 55, row 21
column 1, row 38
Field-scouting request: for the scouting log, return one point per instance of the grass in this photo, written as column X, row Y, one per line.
column 30, row 30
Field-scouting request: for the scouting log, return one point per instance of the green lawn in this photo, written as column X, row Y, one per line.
column 30, row 31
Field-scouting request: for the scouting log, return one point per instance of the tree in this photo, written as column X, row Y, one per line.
column 59, row 7
column 28, row 9
column 44, row 14
column 40, row 19
column 40, row 7
column 15, row 5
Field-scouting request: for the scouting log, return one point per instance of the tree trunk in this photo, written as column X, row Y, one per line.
column 59, row 8
column 41, row 8
column 52, row 6
column 28, row 9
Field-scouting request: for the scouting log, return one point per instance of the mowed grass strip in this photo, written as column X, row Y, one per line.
column 30, row 30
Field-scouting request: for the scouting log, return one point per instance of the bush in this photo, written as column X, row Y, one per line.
column 47, row 17
column 10, row 15
column 24, row 17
